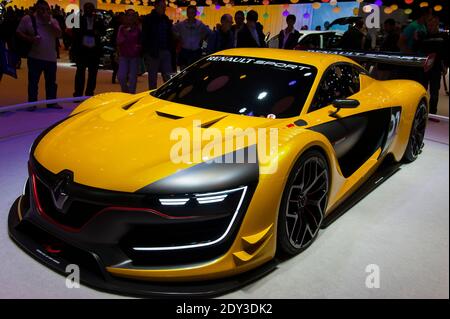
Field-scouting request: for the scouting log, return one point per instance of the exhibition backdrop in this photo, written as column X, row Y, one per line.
column 271, row 16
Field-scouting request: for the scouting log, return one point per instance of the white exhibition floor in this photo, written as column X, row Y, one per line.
column 403, row 227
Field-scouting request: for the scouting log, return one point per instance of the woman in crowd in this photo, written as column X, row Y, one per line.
column 129, row 45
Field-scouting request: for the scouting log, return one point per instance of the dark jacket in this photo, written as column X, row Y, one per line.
column 437, row 44
column 352, row 39
column 81, row 51
column 390, row 42
column 152, row 38
column 291, row 42
column 246, row 40
column 218, row 41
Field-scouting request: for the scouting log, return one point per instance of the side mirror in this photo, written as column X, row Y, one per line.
column 344, row 104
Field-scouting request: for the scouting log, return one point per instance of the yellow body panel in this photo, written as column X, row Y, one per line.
column 112, row 146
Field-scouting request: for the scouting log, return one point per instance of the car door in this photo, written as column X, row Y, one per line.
column 356, row 134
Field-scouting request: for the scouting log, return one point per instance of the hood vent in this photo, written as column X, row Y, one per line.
column 211, row 123
column 169, row 116
column 127, row 106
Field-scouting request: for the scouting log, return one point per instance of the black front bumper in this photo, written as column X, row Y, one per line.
column 33, row 240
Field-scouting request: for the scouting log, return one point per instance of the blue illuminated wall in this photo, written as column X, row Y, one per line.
column 325, row 13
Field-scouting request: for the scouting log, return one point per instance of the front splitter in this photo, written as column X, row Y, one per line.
column 103, row 281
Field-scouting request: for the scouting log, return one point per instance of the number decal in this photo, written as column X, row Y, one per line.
column 393, row 127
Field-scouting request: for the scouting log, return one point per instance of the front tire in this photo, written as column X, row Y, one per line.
column 303, row 203
column 417, row 135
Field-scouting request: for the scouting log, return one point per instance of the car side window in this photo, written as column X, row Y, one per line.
column 311, row 41
column 331, row 40
column 339, row 82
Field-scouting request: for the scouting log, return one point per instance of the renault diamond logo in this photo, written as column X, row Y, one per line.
column 59, row 193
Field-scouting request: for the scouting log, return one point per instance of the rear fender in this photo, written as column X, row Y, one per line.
column 408, row 94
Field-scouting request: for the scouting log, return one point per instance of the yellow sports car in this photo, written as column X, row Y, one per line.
column 195, row 187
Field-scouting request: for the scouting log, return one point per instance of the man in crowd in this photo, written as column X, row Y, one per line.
column 354, row 37
column 390, row 37
column 239, row 20
column 114, row 24
column 412, row 37
column 191, row 33
column 87, row 50
column 389, row 44
column 222, row 38
column 288, row 38
column 435, row 44
column 41, row 31
column 57, row 13
column 251, row 35
column 411, row 42
column 157, row 43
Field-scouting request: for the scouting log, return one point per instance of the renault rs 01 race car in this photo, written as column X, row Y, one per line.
column 196, row 187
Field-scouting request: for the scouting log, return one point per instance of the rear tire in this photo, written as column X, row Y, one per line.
column 417, row 135
column 303, row 203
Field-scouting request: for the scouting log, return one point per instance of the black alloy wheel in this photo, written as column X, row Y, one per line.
column 417, row 135
column 303, row 204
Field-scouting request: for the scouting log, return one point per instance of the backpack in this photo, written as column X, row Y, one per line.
column 8, row 61
column 22, row 47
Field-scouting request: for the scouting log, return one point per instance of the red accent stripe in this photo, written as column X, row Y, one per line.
column 51, row 250
column 148, row 210
column 112, row 208
column 42, row 212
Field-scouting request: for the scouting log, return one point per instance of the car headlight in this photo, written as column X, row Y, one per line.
column 206, row 198
column 222, row 207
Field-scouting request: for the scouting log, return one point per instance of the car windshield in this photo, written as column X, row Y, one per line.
column 242, row 85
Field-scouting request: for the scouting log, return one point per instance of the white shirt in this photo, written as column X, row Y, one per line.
column 46, row 48
column 286, row 36
column 191, row 34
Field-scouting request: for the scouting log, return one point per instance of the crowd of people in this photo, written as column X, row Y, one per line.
column 423, row 36
column 153, row 43
column 153, row 39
